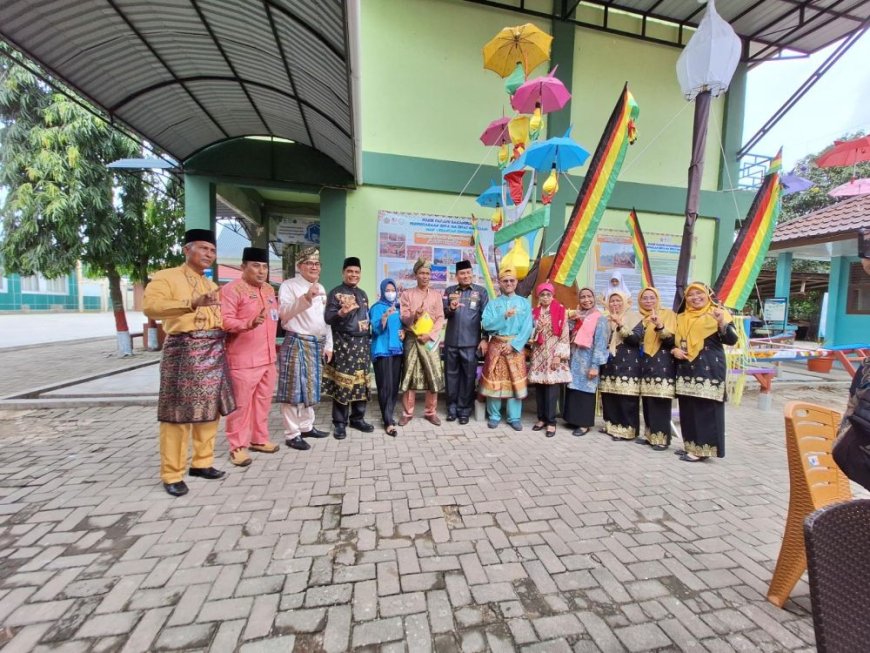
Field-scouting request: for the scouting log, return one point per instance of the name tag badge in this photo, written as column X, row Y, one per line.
column 473, row 304
column 274, row 314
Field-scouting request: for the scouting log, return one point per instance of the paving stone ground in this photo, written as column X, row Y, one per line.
column 456, row 538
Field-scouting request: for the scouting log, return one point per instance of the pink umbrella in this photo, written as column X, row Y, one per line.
column 547, row 91
column 854, row 187
column 496, row 133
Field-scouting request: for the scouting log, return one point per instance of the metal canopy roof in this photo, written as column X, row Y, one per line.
column 186, row 74
column 766, row 26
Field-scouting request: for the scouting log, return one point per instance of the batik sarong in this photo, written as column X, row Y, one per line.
column 421, row 366
column 346, row 378
column 299, row 370
column 195, row 380
column 504, row 371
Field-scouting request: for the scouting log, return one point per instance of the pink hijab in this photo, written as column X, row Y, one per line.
column 556, row 310
column 584, row 331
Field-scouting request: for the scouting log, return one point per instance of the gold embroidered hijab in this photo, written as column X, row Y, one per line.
column 629, row 318
column 694, row 325
column 651, row 341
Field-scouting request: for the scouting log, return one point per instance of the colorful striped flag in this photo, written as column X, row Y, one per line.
column 596, row 190
column 640, row 252
column 743, row 264
column 480, row 257
column 776, row 163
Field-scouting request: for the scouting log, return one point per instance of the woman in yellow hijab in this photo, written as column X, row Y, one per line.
column 620, row 375
column 703, row 328
column 657, row 369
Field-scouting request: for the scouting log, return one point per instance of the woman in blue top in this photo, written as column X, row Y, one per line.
column 387, row 336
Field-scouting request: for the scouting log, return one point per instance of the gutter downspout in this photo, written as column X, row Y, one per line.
column 353, row 49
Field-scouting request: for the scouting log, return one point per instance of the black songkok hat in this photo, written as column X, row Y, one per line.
column 864, row 242
column 463, row 265
column 351, row 261
column 255, row 255
column 194, row 235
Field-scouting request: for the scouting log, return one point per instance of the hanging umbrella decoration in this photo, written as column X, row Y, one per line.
column 794, row 184
column 492, row 197
column 556, row 155
column 846, row 153
column 538, row 96
column 496, row 133
column 524, row 45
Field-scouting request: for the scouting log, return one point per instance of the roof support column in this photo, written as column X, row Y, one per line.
column 199, row 202
column 729, row 165
column 783, row 275
column 333, row 236
column 836, row 305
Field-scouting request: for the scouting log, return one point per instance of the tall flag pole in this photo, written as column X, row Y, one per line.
column 743, row 264
column 640, row 252
column 596, row 190
column 480, row 257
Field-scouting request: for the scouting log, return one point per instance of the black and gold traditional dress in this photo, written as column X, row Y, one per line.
column 657, row 372
column 620, row 377
column 700, row 380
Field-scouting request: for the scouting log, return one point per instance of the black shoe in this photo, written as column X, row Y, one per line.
column 363, row 426
column 451, row 417
column 297, row 443
column 314, row 433
column 207, row 472
column 550, row 433
column 462, row 420
column 580, row 431
column 339, row 433
column 641, row 441
column 176, row 489
column 539, row 426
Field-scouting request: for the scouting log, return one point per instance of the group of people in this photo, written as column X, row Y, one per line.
column 220, row 357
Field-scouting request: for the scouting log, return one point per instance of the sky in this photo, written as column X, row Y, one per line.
column 839, row 103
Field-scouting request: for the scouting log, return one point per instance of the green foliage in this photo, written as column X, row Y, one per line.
column 63, row 204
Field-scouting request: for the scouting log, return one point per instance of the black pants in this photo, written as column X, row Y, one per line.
column 547, row 396
column 460, row 372
column 388, row 371
column 340, row 412
column 579, row 408
column 621, row 415
column 657, row 418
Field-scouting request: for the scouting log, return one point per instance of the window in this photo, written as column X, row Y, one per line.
column 39, row 284
column 858, row 291
column 2, row 281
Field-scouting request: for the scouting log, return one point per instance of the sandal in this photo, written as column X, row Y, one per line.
column 550, row 433
column 692, row 459
column 583, row 430
column 680, row 452
column 392, row 431
column 659, row 447
column 538, row 426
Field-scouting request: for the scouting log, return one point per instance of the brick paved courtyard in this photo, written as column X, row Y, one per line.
column 453, row 539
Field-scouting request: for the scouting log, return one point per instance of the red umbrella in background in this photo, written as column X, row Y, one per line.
column 846, row 153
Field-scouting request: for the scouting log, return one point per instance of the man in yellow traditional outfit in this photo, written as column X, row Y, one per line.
column 194, row 378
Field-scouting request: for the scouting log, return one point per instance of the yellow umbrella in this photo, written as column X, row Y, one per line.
column 524, row 44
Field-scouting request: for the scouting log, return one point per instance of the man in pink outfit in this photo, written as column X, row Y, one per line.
column 250, row 315
column 422, row 312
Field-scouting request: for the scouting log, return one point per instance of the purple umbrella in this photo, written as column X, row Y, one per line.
column 794, row 184
column 547, row 91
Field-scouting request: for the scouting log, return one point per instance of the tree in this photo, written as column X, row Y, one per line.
column 64, row 205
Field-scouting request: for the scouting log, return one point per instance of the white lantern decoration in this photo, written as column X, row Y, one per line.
column 709, row 60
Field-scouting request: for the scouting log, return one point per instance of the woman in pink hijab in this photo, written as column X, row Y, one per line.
column 550, row 352
column 589, row 336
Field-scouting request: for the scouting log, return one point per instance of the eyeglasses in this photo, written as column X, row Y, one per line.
column 313, row 264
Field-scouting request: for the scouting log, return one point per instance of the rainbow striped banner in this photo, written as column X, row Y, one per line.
column 480, row 257
column 640, row 252
column 743, row 264
column 596, row 190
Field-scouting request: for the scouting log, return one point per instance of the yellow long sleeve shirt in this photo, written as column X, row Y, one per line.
column 168, row 297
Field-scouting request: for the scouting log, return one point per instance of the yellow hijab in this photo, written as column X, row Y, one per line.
column 629, row 318
column 694, row 325
column 651, row 341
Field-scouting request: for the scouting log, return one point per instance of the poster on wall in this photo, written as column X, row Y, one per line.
column 444, row 240
column 614, row 251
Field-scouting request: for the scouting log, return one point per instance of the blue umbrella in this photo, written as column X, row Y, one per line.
column 794, row 184
column 561, row 151
column 491, row 196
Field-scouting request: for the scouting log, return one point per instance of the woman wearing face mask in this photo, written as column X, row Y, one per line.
column 702, row 330
column 550, row 351
column 387, row 350
column 620, row 375
column 589, row 335
column 657, row 369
